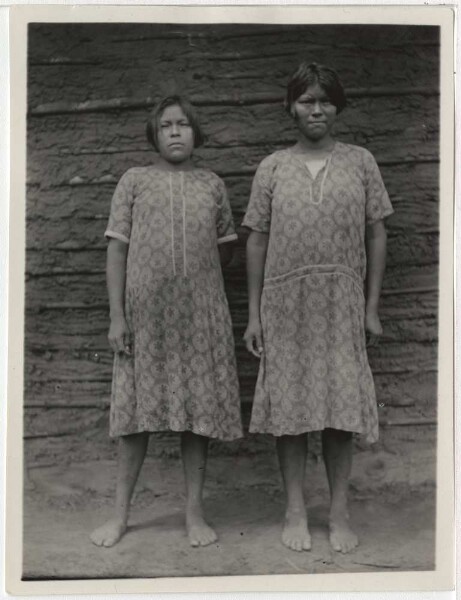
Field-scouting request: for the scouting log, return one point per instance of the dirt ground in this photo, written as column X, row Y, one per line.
column 392, row 508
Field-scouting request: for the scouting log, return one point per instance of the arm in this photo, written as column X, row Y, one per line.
column 376, row 242
column 256, row 258
column 119, row 334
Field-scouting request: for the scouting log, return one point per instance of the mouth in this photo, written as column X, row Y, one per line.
column 176, row 145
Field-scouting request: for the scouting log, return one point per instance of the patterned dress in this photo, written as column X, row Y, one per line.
column 182, row 374
column 314, row 373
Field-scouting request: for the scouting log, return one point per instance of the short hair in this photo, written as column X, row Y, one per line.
column 311, row 74
column 156, row 114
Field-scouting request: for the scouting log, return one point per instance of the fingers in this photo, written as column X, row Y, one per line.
column 253, row 342
column 372, row 340
column 374, row 332
column 259, row 343
column 127, row 343
column 256, row 347
column 121, row 342
column 249, row 345
column 116, row 343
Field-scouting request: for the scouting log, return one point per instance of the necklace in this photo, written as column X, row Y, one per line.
column 322, row 184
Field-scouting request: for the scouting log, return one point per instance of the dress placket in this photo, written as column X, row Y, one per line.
column 178, row 224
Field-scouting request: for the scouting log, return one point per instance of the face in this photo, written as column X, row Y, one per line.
column 314, row 113
column 175, row 136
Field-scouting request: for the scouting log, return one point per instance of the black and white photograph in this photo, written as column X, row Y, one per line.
column 232, row 299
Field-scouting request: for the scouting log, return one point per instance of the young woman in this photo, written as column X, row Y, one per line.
column 316, row 258
column 169, row 231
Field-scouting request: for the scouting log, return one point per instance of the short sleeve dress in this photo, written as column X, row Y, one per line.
column 182, row 374
column 314, row 373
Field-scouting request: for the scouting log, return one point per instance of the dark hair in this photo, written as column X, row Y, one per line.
column 156, row 114
column 311, row 74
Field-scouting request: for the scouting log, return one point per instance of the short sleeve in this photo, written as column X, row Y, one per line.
column 258, row 214
column 378, row 206
column 224, row 222
column 119, row 225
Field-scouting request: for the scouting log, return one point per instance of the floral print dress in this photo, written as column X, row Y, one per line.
column 314, row 372
column 181, row 375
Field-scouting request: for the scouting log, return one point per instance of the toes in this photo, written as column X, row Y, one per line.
column 110, row 541
column 286, row 543
column 213, row 538
column 194, row 538
column 296, row 544
column 108, row 535
column 343, row 545
column 97, row 537
column 96, row 541
column 202, row 538
column 205, row 540
column 307, row 544
column 337, row 548
column 335, row 544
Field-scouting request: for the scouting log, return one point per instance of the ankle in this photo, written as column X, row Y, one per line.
column 121, row 516
column 295, row 510
column 339, row 515
column 194, row 506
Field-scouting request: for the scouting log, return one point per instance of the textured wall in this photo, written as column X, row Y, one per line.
column 90, row 88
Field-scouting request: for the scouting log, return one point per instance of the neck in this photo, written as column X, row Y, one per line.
column 323, row 145
column 185, row 165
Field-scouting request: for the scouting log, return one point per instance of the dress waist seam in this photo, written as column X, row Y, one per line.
column 307, row 270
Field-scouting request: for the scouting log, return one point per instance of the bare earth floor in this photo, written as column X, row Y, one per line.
column 392, row 511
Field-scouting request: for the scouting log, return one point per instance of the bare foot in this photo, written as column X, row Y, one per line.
column 342, row 538
column 200, row 534
column 295, row 533
column 108, row 534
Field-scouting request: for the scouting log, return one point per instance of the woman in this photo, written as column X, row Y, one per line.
column 169, row 232
column 317, row 240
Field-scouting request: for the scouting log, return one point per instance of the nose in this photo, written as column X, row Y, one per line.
column 174, row 130
column 317, row 108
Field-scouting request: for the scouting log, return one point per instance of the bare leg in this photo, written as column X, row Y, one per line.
column 194, row 450
column 337, row 454
column 292, row 451
column 131, row 453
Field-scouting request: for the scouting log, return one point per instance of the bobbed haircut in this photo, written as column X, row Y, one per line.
column 153, row 123
column 307, row 75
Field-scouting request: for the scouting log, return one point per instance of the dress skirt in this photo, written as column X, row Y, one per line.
column 314, row 373
column 182, row 374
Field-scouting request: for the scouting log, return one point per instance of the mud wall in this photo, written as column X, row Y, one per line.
column 90, row 88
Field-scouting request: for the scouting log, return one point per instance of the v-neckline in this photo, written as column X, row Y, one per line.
column 323, row 164
column 328, row 159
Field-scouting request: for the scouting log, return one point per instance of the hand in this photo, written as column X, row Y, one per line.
column 373, row 327
column 253, row 338
column 119, row 335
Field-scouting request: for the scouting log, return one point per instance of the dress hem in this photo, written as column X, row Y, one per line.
column 170, row 430
column 371, row 439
